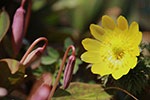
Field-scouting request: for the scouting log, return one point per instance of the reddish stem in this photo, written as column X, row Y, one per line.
column 32, row 46
column 117, row 88
column 60, row 70
column 22, row 3
column 27, row 18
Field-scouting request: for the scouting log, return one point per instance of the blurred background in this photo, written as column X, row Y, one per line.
column 58, row 19
column 65, row 22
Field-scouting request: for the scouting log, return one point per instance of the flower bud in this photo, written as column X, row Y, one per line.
column 68, row 71
column 41, row 88
column 33, row 56
column 17, row 30
column 3, row 92
column 42, row 93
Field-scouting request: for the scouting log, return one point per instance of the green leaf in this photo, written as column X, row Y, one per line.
column 4, row 24
column 10, row 98
column 53, row 53
column 68, row 42
column 8, row 46
column 52, row 57
column 11, row 73
column 47, row 60
column 38, row 4
column 65, row 4
column 77, row 63
column 82, row 91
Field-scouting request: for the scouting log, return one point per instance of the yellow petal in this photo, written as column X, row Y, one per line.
column 127, row 63
column 110, row 41
column 100, row 34
column 108, row 22
column 97, row 31
column 122, row 23
column 91, row 57
column 134, row 50
column 101, row 68
column 122, row 66
column 132, row 61
column 139, row 35
column 134, row 35
column 134, row 27
column 120, row 72
column 91, row 44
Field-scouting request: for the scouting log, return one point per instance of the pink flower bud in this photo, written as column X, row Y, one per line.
column 68, row 71
column 42, row 93
column 17, row 30
column 33, row 56
column 41, row 88
column 29, row 56
column 3, row 92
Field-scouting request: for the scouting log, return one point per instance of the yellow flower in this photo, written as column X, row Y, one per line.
column 115, row 47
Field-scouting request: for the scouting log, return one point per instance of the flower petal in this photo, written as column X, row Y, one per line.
column 108, row 22
column 100, row 34
column 134, row 35
column 134, row 50
column 120, row 72
column 97, row 31
column 96, row 56
column 127, row 63
column 132, row 61
column 91, row 44
column 115, row 49
column 92, row 56
column 101, row 68
column 122, row 23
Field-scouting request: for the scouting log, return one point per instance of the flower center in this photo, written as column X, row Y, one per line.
column 118, row 53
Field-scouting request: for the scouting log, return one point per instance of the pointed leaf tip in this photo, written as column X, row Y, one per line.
column 4, row 24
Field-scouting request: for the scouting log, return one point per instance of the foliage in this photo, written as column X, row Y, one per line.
column 11, row 73
column 52, row 61
column 63, row 23
column 4, row 23
column 82, row 91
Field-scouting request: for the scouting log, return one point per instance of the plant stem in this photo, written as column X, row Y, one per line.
column 22, row 3
column 32, row 46
column 27, row 18
column 60, row 70
column 117, row 88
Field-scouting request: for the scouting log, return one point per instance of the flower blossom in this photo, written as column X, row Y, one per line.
column 115, row 47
